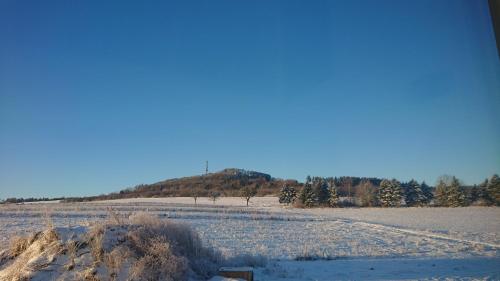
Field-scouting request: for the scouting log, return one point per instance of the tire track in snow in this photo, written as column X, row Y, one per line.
column 420, row 233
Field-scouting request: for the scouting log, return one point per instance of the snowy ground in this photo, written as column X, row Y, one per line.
column 372, row 243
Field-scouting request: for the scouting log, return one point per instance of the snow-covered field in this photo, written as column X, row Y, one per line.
column 361, row 244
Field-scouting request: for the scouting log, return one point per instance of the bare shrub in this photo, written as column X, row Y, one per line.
column 113, row 217
column 114, row 260
column 72, row 248
column 159, row 262
column 95, row 241
column 177, row 239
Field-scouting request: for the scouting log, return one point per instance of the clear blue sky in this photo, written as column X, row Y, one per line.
column 96, row 97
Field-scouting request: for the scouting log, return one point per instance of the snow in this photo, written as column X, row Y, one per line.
column 398, row 243
column 268, row 201
column 382, row 269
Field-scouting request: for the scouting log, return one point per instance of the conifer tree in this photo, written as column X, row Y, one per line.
column 321, row 191
column 493, row 190
column 306, row 196
column 449, row 192
column 390, row 193
column 287, row 195
column 396, row 193
column 384, row 193
column 414, row 195
column 441, row 193
column 482, row 192
column 456, row 195
column 333, row 200
column 427, row 190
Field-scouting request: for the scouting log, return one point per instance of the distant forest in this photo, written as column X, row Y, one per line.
column 359, row 191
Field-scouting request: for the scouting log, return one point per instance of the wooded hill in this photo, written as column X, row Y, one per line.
column 227, row 182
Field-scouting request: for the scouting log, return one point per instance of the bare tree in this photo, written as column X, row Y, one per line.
column 195, row 195
column 214, row 196
column 348, row 182
column 248, row 192
column 366, row 194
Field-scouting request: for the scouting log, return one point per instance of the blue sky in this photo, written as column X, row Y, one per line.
column 96, row 97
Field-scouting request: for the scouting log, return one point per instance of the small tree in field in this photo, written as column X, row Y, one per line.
column 307, row 196
column 214, row 195
column 195, row 196
column 287, row 195
column 248, row 192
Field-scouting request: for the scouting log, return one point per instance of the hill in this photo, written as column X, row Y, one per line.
column 227, row 182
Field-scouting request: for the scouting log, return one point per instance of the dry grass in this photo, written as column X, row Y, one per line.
column 72, row 250
column 159, row 262
column 140, row 247
column 95, row 241
column 169, row 247
column 114, row 261
column 19, row 244
column 25, row 253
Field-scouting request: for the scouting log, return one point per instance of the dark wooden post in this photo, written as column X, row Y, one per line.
column 237, row 272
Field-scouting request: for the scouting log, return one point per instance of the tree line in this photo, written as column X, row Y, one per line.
column 315, row 191
column 448, row 192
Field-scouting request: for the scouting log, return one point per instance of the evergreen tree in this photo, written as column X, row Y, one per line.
column 321, row 191
column 456, row 195
column 414, row 195
column 441, row 193
column 390, row 193
column 493, row 190
column 333, row 200
column 449, row 192
column 483, row 193
column 427, row 190
column 308, row 179
column 397, row 193
column 473, row 194
column 287, row 195
column 306, row 196
column 384, row 193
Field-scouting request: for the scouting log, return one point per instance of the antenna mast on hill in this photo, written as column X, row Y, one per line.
column 206, row 168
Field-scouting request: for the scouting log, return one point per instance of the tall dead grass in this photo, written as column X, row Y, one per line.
column 166, row 248
column 140, row 247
